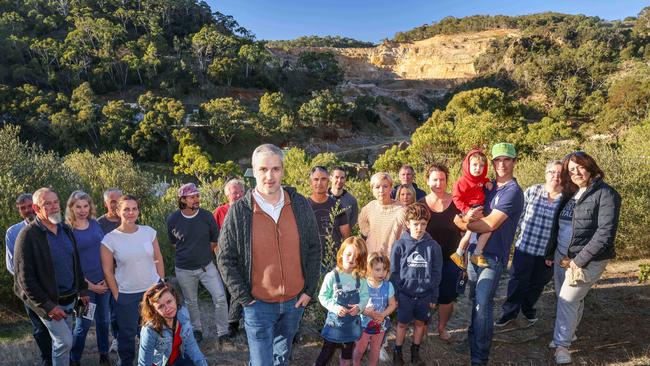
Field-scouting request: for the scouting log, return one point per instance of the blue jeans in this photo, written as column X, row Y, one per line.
column 528, row 276
column 102, row 320
column 127, row 314
column 482, row 288
column 61, row 334
column 41, row 335
column 270, row 328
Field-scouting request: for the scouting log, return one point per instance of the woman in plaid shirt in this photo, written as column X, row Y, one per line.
column 530, row 272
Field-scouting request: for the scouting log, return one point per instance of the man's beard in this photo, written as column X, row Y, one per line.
column 55, row 218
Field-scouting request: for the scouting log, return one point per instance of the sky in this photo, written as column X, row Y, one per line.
column 374, row 20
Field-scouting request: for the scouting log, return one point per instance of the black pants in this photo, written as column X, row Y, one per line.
column 528, row 276
column 328, row 350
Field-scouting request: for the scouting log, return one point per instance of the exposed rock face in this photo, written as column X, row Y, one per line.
column 416, row 73
column 439, row 57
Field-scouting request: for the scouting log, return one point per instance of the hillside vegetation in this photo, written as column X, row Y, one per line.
column 90, row 90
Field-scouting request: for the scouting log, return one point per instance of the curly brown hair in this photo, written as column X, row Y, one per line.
column 148, row 312
column 416, row 211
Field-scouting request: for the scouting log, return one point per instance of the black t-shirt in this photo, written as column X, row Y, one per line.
column 442, row 229
column 322, row 212
column 107, row 225
column 192, row 237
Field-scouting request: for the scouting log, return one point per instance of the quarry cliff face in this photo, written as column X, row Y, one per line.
column 441, row 57
column 415, row 73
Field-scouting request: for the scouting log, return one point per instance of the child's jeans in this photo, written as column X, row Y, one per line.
column 375, row 341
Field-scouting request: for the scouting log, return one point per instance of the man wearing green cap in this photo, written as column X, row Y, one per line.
column 504, row 205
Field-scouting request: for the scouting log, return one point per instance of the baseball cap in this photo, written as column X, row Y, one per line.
column 504, row 149
column 187, row 189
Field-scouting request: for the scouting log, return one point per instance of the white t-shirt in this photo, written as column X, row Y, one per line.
column 135, row 271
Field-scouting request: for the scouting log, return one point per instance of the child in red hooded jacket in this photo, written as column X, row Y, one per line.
column 468, row 193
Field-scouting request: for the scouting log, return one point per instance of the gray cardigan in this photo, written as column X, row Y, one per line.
column 234, row 253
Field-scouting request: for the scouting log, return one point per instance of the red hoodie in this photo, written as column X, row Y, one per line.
column 468, row 190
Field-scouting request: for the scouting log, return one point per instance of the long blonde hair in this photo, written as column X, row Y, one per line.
column 74, row 197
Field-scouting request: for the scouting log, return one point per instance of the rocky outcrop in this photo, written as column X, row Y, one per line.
column 415, row 73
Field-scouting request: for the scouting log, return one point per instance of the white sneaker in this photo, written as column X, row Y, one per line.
column 552, row 344
column 113, row 346
column 562, row 356
column 383, row 355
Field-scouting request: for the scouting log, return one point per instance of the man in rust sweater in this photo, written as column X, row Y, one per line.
column 269, row 257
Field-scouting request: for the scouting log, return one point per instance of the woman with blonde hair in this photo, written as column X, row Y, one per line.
column 405, row 195
column 80, row 215
column 166, row 337
column 381, row 221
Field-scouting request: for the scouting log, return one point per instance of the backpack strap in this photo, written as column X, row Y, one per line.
column 358, row 282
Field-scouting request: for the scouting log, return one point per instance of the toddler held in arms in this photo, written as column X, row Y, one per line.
column 467, row 194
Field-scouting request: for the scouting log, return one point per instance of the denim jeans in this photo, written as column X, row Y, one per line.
column 41, row 335
column 189, row 280
column 127, row 314
column 61, row 334
column 270, row 328
column 528, row 276
column 482, row 289
column 102, row 321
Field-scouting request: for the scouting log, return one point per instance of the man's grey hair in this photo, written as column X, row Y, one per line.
column 229, row 183
column 551, row 164
column 321, row 169
column 24, row 197
column 266, row 150
column 109, row 191
column 39, row 194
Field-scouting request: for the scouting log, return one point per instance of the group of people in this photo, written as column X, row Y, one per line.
column 272, row 246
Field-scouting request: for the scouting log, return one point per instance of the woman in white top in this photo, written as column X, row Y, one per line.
column 132, row 262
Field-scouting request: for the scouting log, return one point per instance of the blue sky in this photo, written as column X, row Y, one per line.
column 374, row 20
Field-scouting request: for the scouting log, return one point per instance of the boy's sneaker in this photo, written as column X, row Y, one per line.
column 398, row 360
column 458, row 260
column 503, row 321
column 479, row 260
column 415, row 355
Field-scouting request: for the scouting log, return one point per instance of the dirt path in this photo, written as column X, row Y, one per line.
column 615, row 329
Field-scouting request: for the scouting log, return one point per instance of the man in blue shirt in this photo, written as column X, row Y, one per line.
column 503, row 207
column 40, row 332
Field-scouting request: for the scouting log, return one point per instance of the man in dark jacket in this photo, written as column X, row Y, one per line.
column 407, row 178
column 269, row 257
column 48, row 272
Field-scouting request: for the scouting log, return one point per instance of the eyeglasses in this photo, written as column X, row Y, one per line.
column 553, row 172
